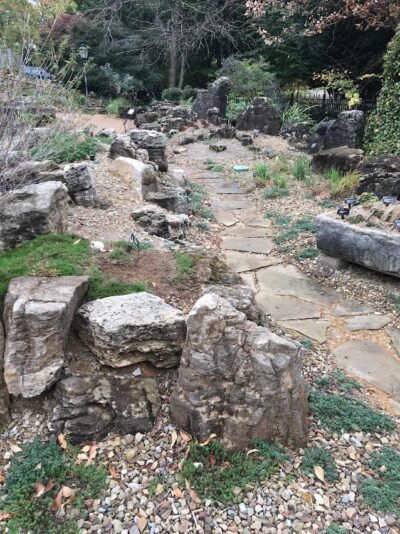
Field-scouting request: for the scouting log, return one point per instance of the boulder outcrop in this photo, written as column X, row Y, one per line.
column 260, row 115
column 342, row 158
column 216, row 96
column 238, row 380
column 156, row 145
column 139, row 176
column 156, row 222
column 79, row 184
column 380, row 175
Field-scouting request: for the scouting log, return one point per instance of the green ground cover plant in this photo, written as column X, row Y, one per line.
column 185, row 264
column 307, row 254
column 66, row 147
column 320, row 457
column 214, row 473
column 301, row 168
column 300, row 226
column 383, row 492
column 46, row 463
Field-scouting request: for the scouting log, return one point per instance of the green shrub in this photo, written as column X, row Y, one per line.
column 383, row 493
column 203, row 226
column 113, row 106
column 172, row 94
column 235, row 108
column 345, row 414
column 66, row 147
column 42, row 463
column 322, row 458
column 214, row 473
column 307, row 344
column 382, row 134
column 301, row 168
column 301, row 226
column 367, row 198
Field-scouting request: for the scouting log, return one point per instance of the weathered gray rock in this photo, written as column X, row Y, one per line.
column 156, row 145
column 260, row 115
column 123, row 146
column 375, row 249
column 139, row 176
column 4, row 397
column 156, row 222
column 242, row 298
column 88, row 407
column 169, row 195
column 346, row 130
column 37, row 314
column 216, row 96
column 238, row 380
column 79, row 184
column 342, row 158
column 380, row 175
column 32, row 210
column 295, row 130
column 130, row 329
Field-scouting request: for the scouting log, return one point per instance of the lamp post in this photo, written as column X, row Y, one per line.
column 83, row 54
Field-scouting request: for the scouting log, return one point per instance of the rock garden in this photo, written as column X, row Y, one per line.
column 200, row 305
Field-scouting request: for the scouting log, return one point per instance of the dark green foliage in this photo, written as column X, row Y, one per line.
column 197, row 198
column 344, row 383
column 383, row 127
column 213, row 472
column 367, row 198
column 66, row 147
column 276, row 192
column 301, row 168
column 33, row 514
column 336, row 529
column 301, row 226
column 307, row 254
column 322, row 458
column 185, row 264
column 307, row 344
column 322, row 381
column 383, row 493
column 395, row 300
column 203, row 226
column 173, row 94
column 101, row 287
column 344, row 414
column 326, row 204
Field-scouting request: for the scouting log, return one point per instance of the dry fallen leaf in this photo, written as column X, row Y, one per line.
column 319, row 473
column 113, row 472
column 210, row 437
column 62, row 441
column 4, row 517
column 174, row 437
column 177, row 492
column 81, row 457
column 57, row 501
column 142, row 523
column 251, row 451
column 40, row 489
column 185, row 436
column 193, row 495
column 77, row 242
column 14, row 447
column 86, row 448
column 2, row 476
column 306, row 496
column 67, row 492
column 212, row 459
column 92, row 454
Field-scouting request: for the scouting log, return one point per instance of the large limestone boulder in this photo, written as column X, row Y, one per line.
column 375, row 249
column 260, row 115
column 122, row 146
column 140, row 176
column 130, row 329
column 157, row 222
column 343, row 158
column 347, row 130
column 89, row 406
column 238, row 380
column 380, row 175
column 216, row 96
column 4, row 397
column 79, row 184
column 32, row 210
column 38, row 312
column 156, row 145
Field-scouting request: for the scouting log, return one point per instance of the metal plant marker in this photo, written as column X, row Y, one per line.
column 351, row 201
column 343, row 212
column 397, row 224
column 389, row 200
column 133, row 241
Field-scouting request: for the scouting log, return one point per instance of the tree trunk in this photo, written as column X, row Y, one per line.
column 183, row 70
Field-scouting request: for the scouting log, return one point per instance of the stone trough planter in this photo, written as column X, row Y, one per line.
column 376, row 249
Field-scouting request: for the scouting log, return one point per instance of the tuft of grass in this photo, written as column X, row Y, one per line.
column 262, row 173
column 218, row 167
column 66, row 147
column 333, row 175
column 323, row 381
column 301, row 168
column 367, row 198
column 307, row 254
column 114, row 105
column 345, row 414
column 326, row 204
column 203, row 226
column 214, row 473
column 101, row 287
column 301, row 226
column 185, row 264
column 44, row 462
column 346, row 186
column 383, row 492
column 104, row 139
column 322, row 458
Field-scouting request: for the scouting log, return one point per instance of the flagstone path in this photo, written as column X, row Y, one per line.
column 297, row 303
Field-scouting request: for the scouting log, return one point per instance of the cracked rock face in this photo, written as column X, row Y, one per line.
column 38, row 312
column 238, row 380
column 4, row 397
column 88, row 407
column 133, row 328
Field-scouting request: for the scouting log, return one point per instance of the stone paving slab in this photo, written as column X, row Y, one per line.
column 261, row 245
column 231, row 204
column 310, row 328
column 249, row 279
column 290, row 281
column 246, row 231
column 367, row 322
column 347, row 308
column 286, row 308
column 225, row 217
column 241, row 262
column 394, row 334
column 227, row 188
column 371, row 362
column 253, row 219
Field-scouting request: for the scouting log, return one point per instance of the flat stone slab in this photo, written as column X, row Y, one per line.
column 245, row 231
column 249, row 280
column 241, row 262
column 261, row 245
column 367, row 322
column 227, row 218
column 291, row 282
column 347, row 308
column 285, row 308
column 394, row 334
column 227, row 188
column 315, row 330
column 231, row 204
column 253, row 219
column 372, row 363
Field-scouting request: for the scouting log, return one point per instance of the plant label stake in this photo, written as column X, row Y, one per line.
column 389, row 200
column 133, row 242
column 343, row 212
column 351, row 201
